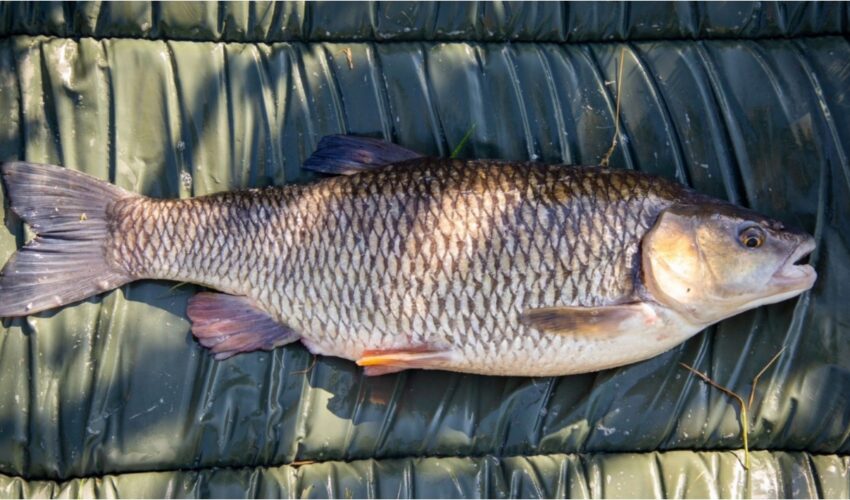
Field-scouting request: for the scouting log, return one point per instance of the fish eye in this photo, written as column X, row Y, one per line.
column 751, row 237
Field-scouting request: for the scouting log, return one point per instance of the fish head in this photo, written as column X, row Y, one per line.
column 711, row 260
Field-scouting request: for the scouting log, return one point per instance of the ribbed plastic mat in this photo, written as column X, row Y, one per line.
column 116, row 384
column 435, row 21
column 680, row 474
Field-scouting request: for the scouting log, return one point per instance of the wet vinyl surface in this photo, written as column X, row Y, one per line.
column 180, row 100
column 676, row 474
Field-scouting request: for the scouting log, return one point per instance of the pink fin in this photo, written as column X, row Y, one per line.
column 381, row 362
column 229, row 324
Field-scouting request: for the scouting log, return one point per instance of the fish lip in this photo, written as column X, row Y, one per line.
column 793, row 275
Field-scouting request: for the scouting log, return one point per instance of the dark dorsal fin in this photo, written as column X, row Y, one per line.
column 348, row 154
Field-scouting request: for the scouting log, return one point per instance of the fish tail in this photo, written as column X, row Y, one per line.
column 65, row 262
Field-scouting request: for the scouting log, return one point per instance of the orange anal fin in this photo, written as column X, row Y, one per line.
column 228, row 325
column 381, row 362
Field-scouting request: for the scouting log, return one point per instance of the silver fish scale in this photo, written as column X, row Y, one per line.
column 432, row 253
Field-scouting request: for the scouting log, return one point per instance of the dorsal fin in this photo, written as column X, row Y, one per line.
column 348, row 154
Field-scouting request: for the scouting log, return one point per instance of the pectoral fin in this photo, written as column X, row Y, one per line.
column 599, row 322
column 228, row 325
column 380, row 362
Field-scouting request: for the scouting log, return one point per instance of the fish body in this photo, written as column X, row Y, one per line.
column 478, row 266
column 434, row 252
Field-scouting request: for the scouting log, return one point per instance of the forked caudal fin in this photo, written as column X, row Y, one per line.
column 65, row 262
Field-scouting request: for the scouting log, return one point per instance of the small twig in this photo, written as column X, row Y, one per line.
column 744, row 419
column 745, row 408
column 306, row 370
column 607, row 157
column 757, row 377
column 463, row 142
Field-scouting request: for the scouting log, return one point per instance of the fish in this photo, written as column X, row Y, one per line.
column 402, row 261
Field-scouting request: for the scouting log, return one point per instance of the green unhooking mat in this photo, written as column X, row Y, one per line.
column 745, row 101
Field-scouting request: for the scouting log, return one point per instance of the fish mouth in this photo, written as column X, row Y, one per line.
column 795, row 274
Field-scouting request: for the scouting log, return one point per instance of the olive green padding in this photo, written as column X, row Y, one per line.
column 678, row 474
column 483, row 21
column 116, row 385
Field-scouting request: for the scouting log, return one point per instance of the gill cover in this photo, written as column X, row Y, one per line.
column 671, row 263
column 713, row 261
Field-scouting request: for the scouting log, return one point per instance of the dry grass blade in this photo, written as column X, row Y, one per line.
column 349, row 56
column 463, row 142
column 744, row 419
column 758, row 376
column 170, row 291
column 607, row 157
